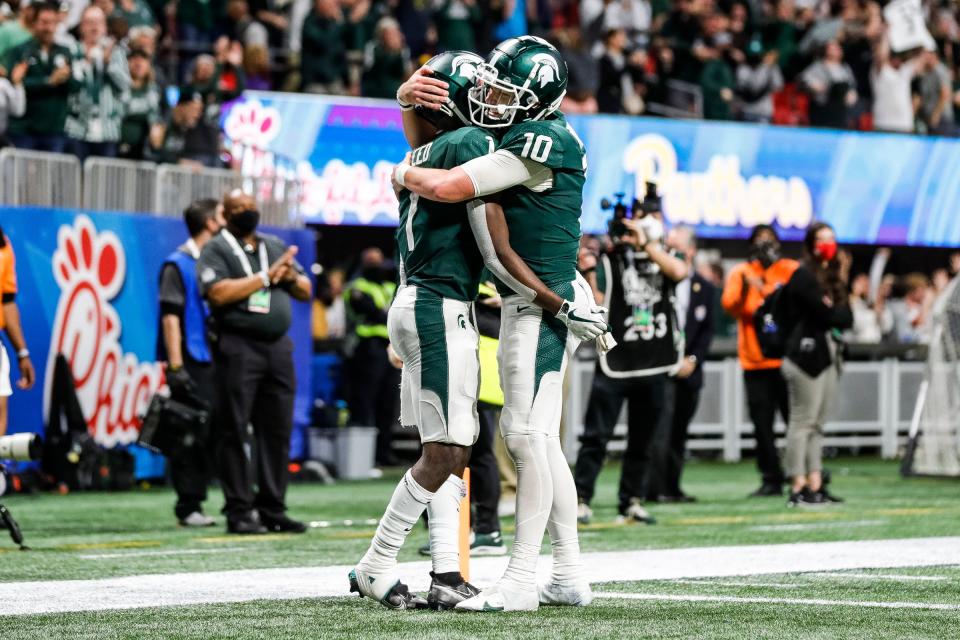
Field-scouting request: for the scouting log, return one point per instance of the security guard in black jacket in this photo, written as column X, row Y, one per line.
column 248, row 278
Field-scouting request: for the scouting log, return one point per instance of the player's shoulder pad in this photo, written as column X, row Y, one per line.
column 465, row 144
column 548, row 142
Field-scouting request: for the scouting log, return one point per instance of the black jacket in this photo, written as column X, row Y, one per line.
column 698, row 330
column 807, row 345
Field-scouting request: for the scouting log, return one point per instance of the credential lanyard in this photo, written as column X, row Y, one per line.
column 242, row 255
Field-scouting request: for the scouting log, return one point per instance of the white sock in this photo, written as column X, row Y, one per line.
column 534, row 497
column 562, row 524
column 405, row 508
column 444, row 513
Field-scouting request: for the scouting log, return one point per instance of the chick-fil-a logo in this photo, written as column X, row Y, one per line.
column 113, row 388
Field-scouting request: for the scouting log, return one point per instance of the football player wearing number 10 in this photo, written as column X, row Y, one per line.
column 536, row 176
column 432, row 329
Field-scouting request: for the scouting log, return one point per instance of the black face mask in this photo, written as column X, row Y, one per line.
column 244, row 222
column 766, row 253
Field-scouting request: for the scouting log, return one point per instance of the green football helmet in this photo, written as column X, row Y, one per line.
column 457, row 69
column 522, row 79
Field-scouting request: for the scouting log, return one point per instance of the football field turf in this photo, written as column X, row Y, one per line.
column 671, row 579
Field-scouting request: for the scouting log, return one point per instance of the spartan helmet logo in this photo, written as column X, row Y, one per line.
column 547, row 69
column 466, row 66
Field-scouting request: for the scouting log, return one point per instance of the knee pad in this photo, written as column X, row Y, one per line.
column 526, row 447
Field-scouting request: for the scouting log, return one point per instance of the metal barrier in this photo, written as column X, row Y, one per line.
column 39, row 179
column 119, row 185
column 107, row 184
column 178, row 186
column 872, row 409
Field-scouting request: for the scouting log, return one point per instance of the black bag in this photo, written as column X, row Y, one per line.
column 772, row 324
column 170, row 426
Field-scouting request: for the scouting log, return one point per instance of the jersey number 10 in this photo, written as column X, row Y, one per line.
column 537, row 148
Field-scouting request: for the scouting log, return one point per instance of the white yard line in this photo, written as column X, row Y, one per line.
column 793, row 601
column 133, row 592
column 756, row 585
column 885, row 576
column 817, row 525
column 165, row 552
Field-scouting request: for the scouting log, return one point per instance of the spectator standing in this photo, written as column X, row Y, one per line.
column 142, row 107
column 136, row 13
column 10, row 324
column 168, row 142
column 195, row 22
column 101, row 78
column 13, row 98
column 911, row 313
column 746, row 287
column 256, row 68
column 758, row 78
column 386, row 61
column 249, row 279
column 183, row 346
column 934, row 96
column 513, row 18
column 17, row 28
column 613, row 72
column 216, row 80
column 633, row 16
column 867, row 327
column 457, row 22
column 48, row 83
column 243, row 27
column 831, row 86
column 584, row 73
column 716, row 77
column 816, row 300
column 323, row 57
column 891, row 77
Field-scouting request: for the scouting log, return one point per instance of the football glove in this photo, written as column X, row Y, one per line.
column 584, row 318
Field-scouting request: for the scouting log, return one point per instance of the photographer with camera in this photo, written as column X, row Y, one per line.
column 747, row 286
column 183, row 345
column 636, row 279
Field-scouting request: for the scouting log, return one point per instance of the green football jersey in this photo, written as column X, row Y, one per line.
column 545, row 226
column 434, row 239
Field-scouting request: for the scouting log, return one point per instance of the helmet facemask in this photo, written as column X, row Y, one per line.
column 495, row 102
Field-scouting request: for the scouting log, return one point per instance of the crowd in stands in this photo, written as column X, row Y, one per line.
column 147, row 78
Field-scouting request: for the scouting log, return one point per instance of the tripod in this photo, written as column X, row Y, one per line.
column 9, row 523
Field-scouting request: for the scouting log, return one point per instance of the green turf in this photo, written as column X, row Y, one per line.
column 66, row 532
column 352, row 618
column 62, row 530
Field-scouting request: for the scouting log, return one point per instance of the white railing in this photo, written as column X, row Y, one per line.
column 119, row 185
column 31, row 178
column 39, row 179
column 872, row 409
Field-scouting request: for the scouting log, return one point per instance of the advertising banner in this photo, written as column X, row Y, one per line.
column 88, row 286
column 721, row 178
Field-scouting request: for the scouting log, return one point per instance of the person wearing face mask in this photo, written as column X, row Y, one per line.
column 248, row 279
column 372, row 385
column 183, row 346
column 746, row 287
column 817, row 302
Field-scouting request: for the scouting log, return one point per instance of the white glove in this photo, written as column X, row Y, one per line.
column 584, row 318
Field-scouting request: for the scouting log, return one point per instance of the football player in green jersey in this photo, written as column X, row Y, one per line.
column 432, row 331
column 537, row 173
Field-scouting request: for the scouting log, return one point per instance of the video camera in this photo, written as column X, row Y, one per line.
column 651, row 203
column 21, row 447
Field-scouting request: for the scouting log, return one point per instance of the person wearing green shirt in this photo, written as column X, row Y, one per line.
column 48, row 83
column 386, row 61
column 142, row 101
column 323, row 57
column 16, row 29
